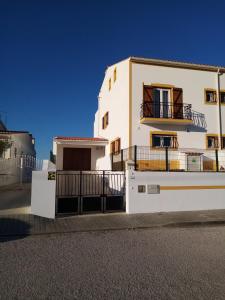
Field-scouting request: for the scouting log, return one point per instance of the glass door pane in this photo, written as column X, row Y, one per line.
column 164, row 103
column 156, row 103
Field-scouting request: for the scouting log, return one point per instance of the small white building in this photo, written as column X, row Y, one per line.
column 21, row 143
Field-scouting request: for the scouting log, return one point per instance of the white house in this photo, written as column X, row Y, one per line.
column 152, row 115
column 155, row 104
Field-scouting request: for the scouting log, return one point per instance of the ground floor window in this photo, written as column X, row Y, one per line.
column 164, row 140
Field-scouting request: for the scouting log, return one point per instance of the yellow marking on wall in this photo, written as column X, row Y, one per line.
column 157, row 165
column 192, row 187
column 164, row 120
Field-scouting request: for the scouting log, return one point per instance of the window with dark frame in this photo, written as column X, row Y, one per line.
column 223, row 142
column 222, row 97
column 162, row 141
column 115, row 146
column 210, row 96
column 212, row 142
column 105, row 120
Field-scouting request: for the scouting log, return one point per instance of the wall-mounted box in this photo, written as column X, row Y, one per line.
column 141, row 189
column 153, row 189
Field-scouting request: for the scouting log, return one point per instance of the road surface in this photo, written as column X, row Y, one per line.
column 159, row 263
column 15, row 199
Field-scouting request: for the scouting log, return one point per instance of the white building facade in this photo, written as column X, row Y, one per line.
column 158, row 104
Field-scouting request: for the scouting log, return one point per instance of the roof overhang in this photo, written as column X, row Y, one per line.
column 177, row 64
column 80, row 141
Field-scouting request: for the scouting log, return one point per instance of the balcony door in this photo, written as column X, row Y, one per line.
column 161, row 100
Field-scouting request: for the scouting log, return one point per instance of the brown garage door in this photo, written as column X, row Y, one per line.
column 77, row 159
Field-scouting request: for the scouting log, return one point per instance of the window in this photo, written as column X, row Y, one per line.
column 114, row 75
column 164, row 140
column 212, row 142
column 223, row 142
column 105, row 120
column 109, row 84
column 115, row 146
column 210, row 96
column 222, row 97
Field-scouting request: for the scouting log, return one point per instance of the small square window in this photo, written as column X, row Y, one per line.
column 212, row 142
column 223, row 142
column 222, row 97
column 210, row 96
column 141, row 188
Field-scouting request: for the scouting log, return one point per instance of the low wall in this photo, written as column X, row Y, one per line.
column 42, row 195
column 176, row 191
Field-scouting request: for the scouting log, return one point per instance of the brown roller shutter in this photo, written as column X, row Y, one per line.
column 177, row 103
column 148, row 102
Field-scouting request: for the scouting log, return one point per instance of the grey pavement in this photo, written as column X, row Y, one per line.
column 156, row 263
column 15, row 199
column 25, row 224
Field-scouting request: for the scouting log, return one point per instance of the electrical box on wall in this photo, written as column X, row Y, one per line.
column 153, row 189
column 141, row 189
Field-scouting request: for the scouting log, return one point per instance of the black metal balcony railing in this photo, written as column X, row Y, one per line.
column 166, row 111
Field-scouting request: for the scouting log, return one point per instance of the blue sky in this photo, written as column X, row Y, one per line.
column 53, row 54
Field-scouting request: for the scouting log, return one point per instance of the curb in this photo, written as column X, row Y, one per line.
column 166, row 225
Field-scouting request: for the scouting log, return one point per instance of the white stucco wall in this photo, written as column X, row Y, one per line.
column 115, row 102
column 193, row 83
column 187, row 199
column 43, row 195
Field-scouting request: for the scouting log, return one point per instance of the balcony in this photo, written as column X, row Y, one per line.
column 168, row 113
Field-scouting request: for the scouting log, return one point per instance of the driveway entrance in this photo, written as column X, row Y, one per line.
column 15, row 199
column 83, row 192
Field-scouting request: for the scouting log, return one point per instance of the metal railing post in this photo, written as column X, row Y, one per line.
column 167, row 159
column 217, row 160
column 135, row 157
column 111, row 161
column 121, row 157
column 80, row 192
column 103, row 192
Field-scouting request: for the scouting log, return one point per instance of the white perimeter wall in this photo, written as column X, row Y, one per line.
column 174, row 200
column 42, row 195
column 193, row 83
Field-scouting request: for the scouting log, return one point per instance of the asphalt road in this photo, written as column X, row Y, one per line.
column 15, row 197
column 165, row 263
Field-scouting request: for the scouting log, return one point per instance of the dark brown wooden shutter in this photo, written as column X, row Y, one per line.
column 77, row 159
column 177, row 103
column 148, row 101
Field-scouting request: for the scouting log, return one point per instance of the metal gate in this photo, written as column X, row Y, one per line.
column 80, row 192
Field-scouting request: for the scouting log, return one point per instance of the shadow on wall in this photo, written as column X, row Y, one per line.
column 13, row 229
